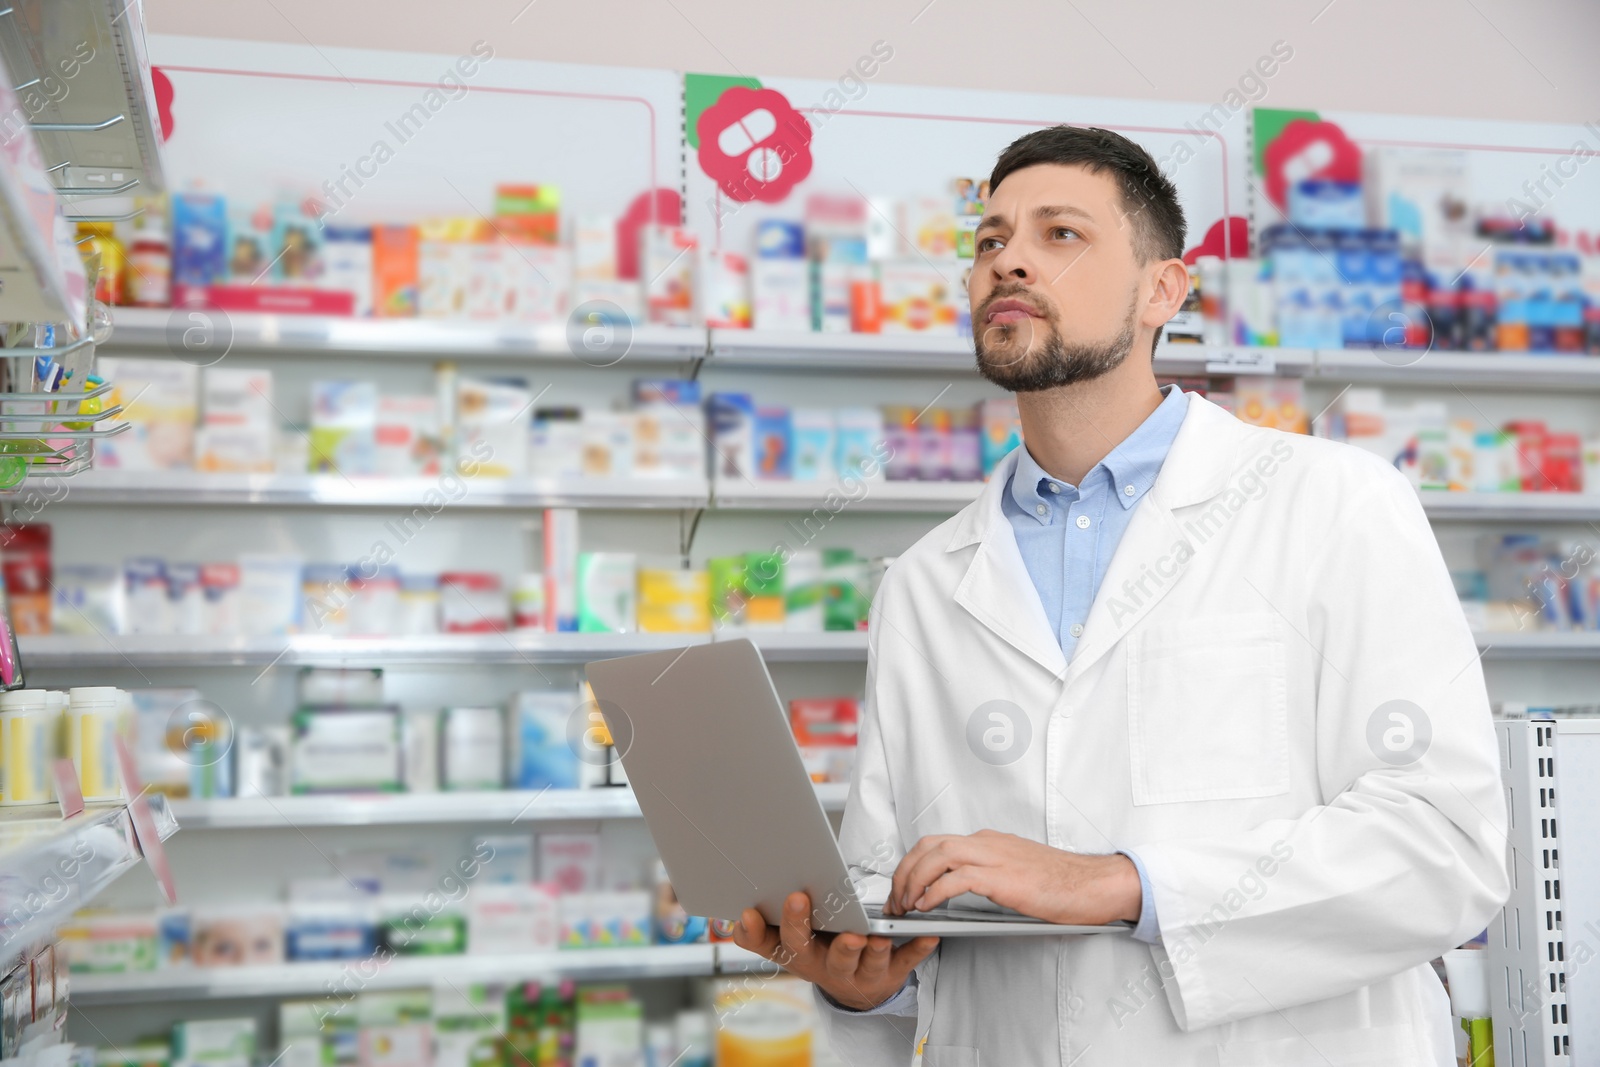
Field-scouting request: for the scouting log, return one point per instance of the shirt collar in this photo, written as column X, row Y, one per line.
column 1135, row 462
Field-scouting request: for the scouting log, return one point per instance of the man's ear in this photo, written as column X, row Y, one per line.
column 1169, row 289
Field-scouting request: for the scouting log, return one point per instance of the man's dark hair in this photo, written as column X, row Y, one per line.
column 1149, row 199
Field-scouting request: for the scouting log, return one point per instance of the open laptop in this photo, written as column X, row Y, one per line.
column 708, row 750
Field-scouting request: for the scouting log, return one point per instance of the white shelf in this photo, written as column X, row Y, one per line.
column 162, row 330
column 195, row 489
column 1511, row 507
column 882, row 496
column 1540, row 645
column 51, row 867
column 62, row 651
column 399, row 809
column 1470, row 369
column 301, row 979
column 166, row 650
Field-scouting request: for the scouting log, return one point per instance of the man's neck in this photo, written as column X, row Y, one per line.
column 1069, row 429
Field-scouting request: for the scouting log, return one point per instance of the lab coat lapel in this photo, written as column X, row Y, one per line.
column 1156, row 551
column 997, row 589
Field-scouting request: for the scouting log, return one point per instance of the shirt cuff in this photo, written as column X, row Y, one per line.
column 902, row 1003
column 1148, row 930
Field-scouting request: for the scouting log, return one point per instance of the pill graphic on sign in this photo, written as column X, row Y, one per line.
column 754, row 145
column 747, row 132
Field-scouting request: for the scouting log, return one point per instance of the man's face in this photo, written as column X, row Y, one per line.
column 1055, row 281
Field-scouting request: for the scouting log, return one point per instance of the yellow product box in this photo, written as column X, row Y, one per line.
column 674, row 601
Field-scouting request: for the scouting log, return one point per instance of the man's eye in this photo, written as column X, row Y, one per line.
column 1063, row 232
column 990, row 244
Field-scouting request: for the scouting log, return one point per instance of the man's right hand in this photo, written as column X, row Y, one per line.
column 859, row 971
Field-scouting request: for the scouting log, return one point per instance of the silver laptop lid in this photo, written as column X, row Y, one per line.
column 707, row 747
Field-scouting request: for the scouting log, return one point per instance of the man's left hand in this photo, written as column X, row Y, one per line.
column 1015, row 872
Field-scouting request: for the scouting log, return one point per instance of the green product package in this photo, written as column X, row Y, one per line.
column 414, row 933
column 729, row 593
column 763, row 574
column 843, row 605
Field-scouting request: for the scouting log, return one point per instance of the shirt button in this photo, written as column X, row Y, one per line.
column 1054, row 488
column 1083, row 522
column 1040, row 509
column 1076, row 631
column 1127, row 490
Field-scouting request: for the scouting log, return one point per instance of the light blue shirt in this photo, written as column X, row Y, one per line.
column 1067, row 535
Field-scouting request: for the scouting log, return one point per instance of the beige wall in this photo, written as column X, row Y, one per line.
column 1509, row 59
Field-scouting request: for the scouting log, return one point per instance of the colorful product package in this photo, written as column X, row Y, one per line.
column 918, row 297
column 509, row 919
column 345, row 750
column 472, row 602
column 733, row 442
column 774, row 443
column 330, row 931
column 605, row 919
column 539, row 755
column 844, row 601
column 766, row 1023
column 803, row 592
column 238, row 430
column 406, row 436
column 344, row 420
column 214, row 1042
column 492, row 426
column 674, row 601
column 669, row 258
column 570, row 862
column 859, row 440
column 607, row 592
column 814, row 446
column 729, row 591
column 727, row 291
column 472, row 748
column 249, row 245
column 764, row 591
column 347, row 265
column 296, row 246
column 825, row 729
column 407, row 926
column 999, row 431
column 394, row 271
column 199, row 239
column 780, row 294
column 159, row 397
column 561, row 570
column 109, row 943
column 239, row 936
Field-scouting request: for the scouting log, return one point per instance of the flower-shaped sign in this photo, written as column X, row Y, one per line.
column 754, row 145
column 1306, row 149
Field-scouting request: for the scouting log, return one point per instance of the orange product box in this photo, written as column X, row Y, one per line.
column 394, row 271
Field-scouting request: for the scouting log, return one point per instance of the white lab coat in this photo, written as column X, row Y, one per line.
column 1270, row 594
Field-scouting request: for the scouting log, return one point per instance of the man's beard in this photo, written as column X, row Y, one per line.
column 1052, row 363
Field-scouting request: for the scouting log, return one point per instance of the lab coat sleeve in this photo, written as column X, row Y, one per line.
column 870, row 839
column 1406, row 856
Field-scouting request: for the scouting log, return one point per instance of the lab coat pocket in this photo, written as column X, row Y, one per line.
column 1208, row 710
column 949, row 1056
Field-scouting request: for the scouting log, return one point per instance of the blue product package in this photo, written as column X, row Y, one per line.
column 1319, row 202
column 679, row 392
column 780, row 239
column 175, row 938
column 199, row 239
column 541, row 758
column 731, row 417
column 812, row 432
column 774, row 440
column 329, row 934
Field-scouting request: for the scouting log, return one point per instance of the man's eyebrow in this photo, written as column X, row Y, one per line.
column 1052, row 211
column 1041, row 213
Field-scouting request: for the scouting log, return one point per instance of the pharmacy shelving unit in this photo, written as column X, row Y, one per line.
column 314, row 979
column 298, row 832
column 50, row 866
column 528, row 649
column 510, row 807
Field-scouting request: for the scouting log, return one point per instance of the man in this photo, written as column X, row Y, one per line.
column 1171, row 669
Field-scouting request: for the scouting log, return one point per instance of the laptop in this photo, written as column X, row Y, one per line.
column 707, row 747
